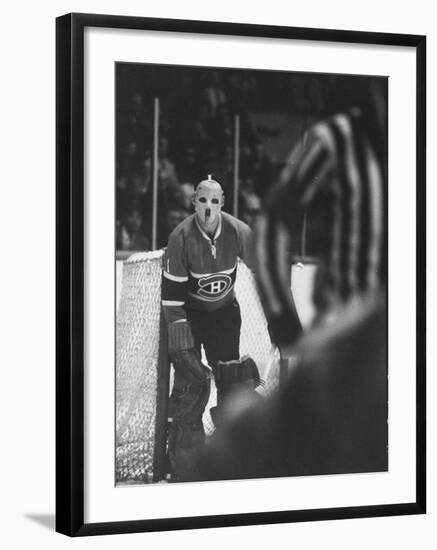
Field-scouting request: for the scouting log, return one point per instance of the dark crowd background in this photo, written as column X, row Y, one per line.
column 196, row 138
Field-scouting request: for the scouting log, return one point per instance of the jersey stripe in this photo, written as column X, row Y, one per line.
column 345, row 161
column 200, row 275
column 175, row 278
column 171, row 303
column 173, row 290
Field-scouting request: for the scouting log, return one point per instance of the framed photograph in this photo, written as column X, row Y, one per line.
column 240, row 274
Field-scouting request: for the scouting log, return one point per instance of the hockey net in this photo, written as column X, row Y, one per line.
column 143, row 372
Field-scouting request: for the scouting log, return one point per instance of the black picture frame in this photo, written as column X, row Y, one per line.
column 70, row 273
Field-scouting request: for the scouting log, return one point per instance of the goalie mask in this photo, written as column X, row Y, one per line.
column 208, row 201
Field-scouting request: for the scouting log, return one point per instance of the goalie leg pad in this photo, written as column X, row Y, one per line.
column 183, row 441
column 187, row 404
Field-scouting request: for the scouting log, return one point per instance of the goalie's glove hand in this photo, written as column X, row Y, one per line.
column 189, row 364
column 183, row 355
column 242, row 373
column 236, row 382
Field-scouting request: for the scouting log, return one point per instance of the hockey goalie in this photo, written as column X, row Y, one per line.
column 198, row 302
column 201, row 310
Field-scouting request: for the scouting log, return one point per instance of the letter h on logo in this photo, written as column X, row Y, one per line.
column 216, row 287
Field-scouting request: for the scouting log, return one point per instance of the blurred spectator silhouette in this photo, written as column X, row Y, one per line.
column 214, row 94
column 249, row 202
column 123, row 241
column 189, row 167
column 138, row 238
column 222, row 169
column 174, row 218
column 166, row 169
column 187, row 196
column 261, row 170
column 242, row 92
column 135, row 124
column 222, row 128
column 131, row 181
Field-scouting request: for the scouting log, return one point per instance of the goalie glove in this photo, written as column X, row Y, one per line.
column 233, row 375
column 236, row 382
column 185, row 358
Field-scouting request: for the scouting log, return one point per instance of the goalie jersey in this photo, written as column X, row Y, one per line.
column 198, row 271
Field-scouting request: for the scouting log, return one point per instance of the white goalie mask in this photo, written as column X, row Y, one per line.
column 208, row 201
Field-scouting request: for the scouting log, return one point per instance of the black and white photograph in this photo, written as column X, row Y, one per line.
column 251, row 274
column 240, row 267
column 218, row 296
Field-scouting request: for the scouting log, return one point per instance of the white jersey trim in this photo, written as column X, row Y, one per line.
column 175, row 278
column 224, row 272
column 172, row 303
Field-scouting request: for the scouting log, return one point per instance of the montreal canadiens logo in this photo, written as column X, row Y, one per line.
column 214, row 286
